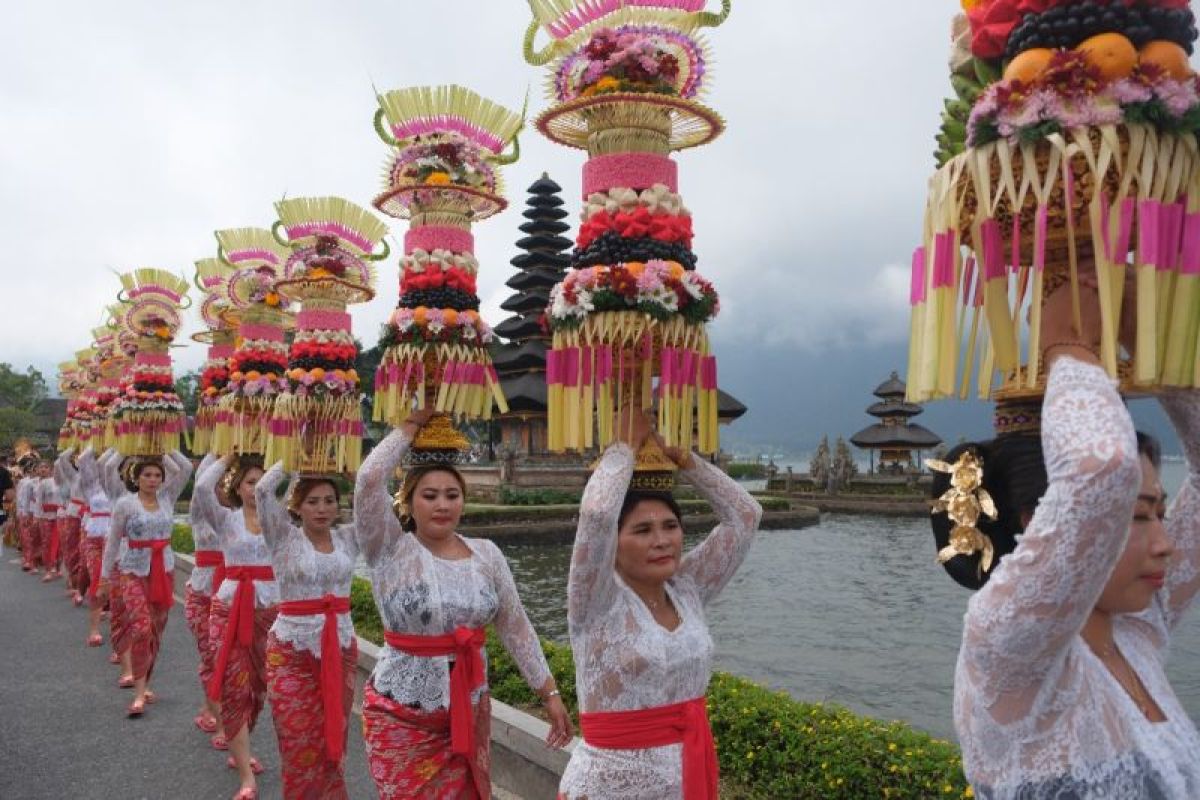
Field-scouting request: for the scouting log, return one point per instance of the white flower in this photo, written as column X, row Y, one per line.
column 691, row 285
column 661, row 296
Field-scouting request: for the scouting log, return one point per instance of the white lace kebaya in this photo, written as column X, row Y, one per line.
column 99, row 514
column 132, row 521
column 301, row 571
column 203, row 535
column 624, row 659
column 241, row 547
column 418, row 593
column 1039, row 716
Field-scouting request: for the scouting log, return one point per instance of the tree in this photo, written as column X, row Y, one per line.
column 187, row 386
column 844, row 468
column 21, row 391
column 16, row 424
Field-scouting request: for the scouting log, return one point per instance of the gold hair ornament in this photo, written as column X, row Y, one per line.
column 964, row 502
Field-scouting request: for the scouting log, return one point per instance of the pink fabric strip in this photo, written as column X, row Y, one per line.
column 1149, row 213
column 439, row 237
column 141, row 290
column 554, row 367
column 588, row 356
column 689, row 374
column 993, row 251
column 604, row 364
column 1189, row 260
column 916, row 290
column 152, row 359
column 629, row 171
column 251, row 330
column 943, row 260
column 571, row 366
column 708, row 373
column 323, row 320
column 666, row 370
column 220, row 351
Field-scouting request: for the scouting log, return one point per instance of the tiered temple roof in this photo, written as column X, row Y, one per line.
column 894, row 431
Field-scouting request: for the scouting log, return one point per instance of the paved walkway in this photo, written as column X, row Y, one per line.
column 63, row 730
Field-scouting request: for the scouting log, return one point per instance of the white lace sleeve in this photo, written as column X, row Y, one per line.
column 714, row 561
column 1183, row 518
column 110, row 475
column 591, row 585
column 89, row 475
column 64, row 473
column 205, row 503
column 272, row 516
column 512, row 623
column 375, row 525
column 197, row 511
column 1039, row 597
column 178, row 469
column 116, row 530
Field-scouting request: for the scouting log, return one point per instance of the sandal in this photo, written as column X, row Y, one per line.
column 246, row 793
column 95, row 640
column 151, row 697
column 125, row 682
column 206, row 723
column 77, row 600
column 219, row 742
column 113, row 658
column 136, row 709
column 255, row 766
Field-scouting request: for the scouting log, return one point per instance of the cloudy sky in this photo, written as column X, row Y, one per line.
column 132, row 130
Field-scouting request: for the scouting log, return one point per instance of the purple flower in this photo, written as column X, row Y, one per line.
column 1177, row 96
column 1126, row 92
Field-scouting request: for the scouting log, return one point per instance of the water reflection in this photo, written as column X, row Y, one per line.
column 853, row 611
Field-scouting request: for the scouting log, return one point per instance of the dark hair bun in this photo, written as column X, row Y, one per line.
column 1014, row 474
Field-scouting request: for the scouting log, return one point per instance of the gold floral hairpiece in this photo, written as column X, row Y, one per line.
column 964, row 502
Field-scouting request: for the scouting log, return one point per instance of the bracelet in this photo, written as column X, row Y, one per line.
column 552, row 693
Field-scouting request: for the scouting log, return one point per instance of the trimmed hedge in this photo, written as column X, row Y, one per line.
column 537, row 497
column 769, row 745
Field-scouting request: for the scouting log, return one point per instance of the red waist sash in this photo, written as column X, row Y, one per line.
column 465, row 675
column 240, row 627
column 214, row 559
column 98, row 514
column 161, row 591
column 48, row 508
column 682, row 723
column 331, row 664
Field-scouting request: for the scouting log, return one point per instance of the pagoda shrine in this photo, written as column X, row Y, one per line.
column 894, row 436
column 521, row 360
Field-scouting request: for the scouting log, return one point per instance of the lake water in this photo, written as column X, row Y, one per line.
column 853, row 611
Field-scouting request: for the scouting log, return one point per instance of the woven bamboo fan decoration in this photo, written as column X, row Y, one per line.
column 259, row 362
column 149, row 415
column 70, row 386
column 628, row 321
column 220, row 334
column 1070, row 145
column 443, row 175
column 316, row 426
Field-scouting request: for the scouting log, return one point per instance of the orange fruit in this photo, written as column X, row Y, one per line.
column 252, row 375
column 1028, row 65
column 318, row 373
column 450, row 317
column 1113, row 54
column 420, row 315
column 1172, row 58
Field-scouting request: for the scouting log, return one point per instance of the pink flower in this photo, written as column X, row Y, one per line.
column 1126, row 91
column 1177, row 96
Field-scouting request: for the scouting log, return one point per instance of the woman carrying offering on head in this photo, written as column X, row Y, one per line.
column 243, row 608
column 426, row 708
column 111, row 467
column 1060, row 689
column 207, row 576
column 95, row 525
column 144, row 521
column 635, row 612
column 312, row 653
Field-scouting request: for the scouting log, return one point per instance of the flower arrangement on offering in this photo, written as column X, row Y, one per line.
column 628, row 320
column 258, row 365
column 149, row 415
column 316, row 425
column 1071, row 138
column 443, row 176
column 220, row 335
column 74, row 382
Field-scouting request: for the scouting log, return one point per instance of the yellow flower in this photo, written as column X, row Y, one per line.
column 970, row 792
column 438, row 179
column 607, row 83
column 891, row 746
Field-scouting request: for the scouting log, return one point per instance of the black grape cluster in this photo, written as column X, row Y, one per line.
column 262, row 367
column 323, row 363
column 443, row 297
column 1068, row 25
column 613, row 248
